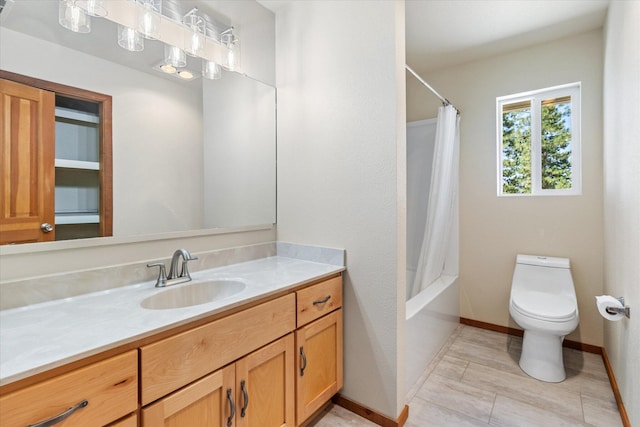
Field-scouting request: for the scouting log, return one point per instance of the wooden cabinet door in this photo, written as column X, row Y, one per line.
column 265, row 386
column 27, row 144
column 208, row 402
column 318, row 363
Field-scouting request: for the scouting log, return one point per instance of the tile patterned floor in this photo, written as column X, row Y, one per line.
column 476, row 381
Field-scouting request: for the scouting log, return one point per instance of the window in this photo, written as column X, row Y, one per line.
column 539, row 142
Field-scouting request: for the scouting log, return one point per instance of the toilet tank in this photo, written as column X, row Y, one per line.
column 543, row 274
column 543, row 261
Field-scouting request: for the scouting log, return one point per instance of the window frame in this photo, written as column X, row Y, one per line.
column 536, row 97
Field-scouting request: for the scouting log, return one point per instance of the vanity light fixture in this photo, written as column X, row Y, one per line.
column 194, row 39
column 168, row 68
column 174, row 56
column 92, row 7
column 228, row 39
column 192, row 34
column 130, row 39
column 149, row 18
column 73, row 17
column 185, row 74
column 211, row 70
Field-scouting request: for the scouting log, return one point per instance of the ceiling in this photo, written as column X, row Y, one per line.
column 439, row 33
column 443, row 33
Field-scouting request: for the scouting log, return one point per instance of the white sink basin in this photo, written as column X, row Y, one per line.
column 193, row 294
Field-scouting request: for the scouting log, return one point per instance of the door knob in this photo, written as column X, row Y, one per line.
column 46, row 227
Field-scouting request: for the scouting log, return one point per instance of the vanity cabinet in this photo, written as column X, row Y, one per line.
column 256, row 391
column 319, row 367
column 209, row 401
column 273, row 364
column 99, row 394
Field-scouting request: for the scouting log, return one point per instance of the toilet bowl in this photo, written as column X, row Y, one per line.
column 543, row 303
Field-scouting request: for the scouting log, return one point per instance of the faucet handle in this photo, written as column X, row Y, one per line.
column 162, row 274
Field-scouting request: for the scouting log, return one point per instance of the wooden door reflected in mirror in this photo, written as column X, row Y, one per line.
column 56, row 161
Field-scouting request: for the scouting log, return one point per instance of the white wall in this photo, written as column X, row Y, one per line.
column 341, row 171
column 622, row 195
column 493, row 230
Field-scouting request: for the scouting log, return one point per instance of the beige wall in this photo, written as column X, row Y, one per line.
column 622, row 195
column 340, row 101
column 493, row 230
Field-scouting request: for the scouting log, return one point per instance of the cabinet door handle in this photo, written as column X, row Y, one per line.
column 323, row 300
column 303, row 357
column 245, row 398
column 59, row 418
column 232, row 404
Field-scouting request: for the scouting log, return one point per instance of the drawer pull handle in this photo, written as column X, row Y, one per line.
column 303, row 357
column 59, row 418
column 323, row 300
column 245, row 398
column 232, row 404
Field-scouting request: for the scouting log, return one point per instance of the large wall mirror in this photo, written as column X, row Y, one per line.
column 187, row 155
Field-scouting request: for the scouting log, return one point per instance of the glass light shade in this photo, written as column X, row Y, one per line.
column 72, row 17
column 130, row 39
column 149, row 18
column 232, row 43
column 93, row 7
column 195, row 39
column 174, row 56
column 211, row 70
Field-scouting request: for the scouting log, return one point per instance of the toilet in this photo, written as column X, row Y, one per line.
column 543, row 303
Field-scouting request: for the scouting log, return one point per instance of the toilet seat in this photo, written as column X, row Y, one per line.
column 544, row 306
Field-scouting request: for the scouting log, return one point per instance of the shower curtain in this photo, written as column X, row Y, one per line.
column 442, row 197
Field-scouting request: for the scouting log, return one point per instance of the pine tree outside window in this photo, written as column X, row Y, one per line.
column 539, row 142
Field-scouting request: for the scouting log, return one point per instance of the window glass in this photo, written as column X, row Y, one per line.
column 556, row 143
column 539, row 142
column 516, row 148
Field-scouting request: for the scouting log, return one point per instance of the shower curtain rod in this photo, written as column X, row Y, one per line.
column 444, row 100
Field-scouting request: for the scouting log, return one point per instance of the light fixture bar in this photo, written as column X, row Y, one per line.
column 171, row 32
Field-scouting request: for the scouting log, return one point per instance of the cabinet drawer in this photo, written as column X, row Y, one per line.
column 110, row 387
column 176, row 361
column 317, row 300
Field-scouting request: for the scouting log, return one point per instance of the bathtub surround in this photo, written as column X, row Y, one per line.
column 622, row 199
column 432, row 316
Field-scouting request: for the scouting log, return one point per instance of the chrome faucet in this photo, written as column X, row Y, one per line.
column 174, row 277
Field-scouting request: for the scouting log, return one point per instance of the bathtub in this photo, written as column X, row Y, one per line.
column 432, row 316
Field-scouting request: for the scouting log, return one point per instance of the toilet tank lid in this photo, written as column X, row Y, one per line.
column 543, row 261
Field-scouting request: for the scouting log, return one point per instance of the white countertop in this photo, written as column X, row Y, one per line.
column 40, row 337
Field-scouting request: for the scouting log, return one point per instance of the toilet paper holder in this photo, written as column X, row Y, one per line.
column 619, row 310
